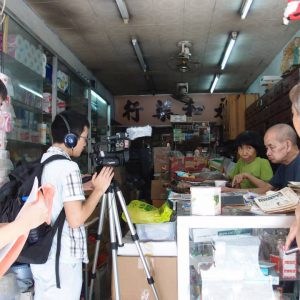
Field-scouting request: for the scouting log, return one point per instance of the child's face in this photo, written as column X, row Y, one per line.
column 247, row 153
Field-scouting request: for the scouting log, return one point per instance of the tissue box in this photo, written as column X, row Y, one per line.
column 206, row 201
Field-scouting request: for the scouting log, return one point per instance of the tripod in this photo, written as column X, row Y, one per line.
column 109, row 202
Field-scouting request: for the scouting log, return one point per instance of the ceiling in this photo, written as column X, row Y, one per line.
column 95, row 32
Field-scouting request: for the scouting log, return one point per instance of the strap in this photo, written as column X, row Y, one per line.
column 58, row 225
column 48, row 160
column 54, row 157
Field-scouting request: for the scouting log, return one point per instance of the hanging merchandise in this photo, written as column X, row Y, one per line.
column 7, row 115
column 291, row 12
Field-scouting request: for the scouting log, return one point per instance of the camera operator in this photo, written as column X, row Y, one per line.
column 69, row 134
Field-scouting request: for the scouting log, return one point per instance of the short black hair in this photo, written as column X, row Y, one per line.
column 76, row 122
column 252, row 138
column 3, row 90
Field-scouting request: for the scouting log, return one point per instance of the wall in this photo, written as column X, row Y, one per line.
column 273, row 69
column 147, row 106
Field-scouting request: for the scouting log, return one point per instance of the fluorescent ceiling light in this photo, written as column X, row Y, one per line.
column 30, row 90
column 245, row 8
column 99, row 98
column 214, row 83
column 123, row 10
column 139, row 54
column 232, row 39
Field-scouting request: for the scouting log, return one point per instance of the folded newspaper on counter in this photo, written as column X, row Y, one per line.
column 284, row 200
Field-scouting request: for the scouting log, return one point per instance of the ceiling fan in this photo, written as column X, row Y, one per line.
column 183, row 62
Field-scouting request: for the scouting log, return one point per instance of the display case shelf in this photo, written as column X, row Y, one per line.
column 193, row 271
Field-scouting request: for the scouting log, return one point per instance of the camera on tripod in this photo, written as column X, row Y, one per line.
column 117, row 153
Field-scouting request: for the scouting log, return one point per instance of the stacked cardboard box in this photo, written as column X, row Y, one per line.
column 135, row 286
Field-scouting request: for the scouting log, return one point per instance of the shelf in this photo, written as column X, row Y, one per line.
column 15, row 141
column 24, row 74
column 26, row 106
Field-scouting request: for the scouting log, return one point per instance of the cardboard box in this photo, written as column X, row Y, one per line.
column 161, row 159
column 158, row 191
column 158, row 202
column 133, row 280
column 177, row 164
column 193, row 164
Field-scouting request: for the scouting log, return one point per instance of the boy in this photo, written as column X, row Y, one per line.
column 69, row 134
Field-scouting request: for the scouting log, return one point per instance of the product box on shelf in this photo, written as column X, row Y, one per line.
column 47, row 104
column 193, row 164
column 288, row 266
column 176, row 164
column 161, row 159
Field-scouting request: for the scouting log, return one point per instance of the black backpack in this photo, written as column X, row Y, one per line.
column 37, row 247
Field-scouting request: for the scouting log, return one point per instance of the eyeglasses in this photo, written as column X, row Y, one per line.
column 85, row 138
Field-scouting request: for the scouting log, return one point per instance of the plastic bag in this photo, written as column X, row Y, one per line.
column 141, row 212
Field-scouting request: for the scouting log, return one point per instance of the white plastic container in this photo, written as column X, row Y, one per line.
column 157, row 231
column 220, row 182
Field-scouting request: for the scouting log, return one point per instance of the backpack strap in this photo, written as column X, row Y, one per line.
column 58, row 226
column 59, row 222
column 48, row 160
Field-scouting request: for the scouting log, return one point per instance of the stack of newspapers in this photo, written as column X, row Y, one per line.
column 284, row 200
column 295, row 186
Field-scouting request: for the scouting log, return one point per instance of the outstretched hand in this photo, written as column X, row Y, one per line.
column 102, row 180
column 294, row 230
column 237, row 179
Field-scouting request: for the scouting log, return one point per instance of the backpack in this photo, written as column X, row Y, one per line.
column 12, row 195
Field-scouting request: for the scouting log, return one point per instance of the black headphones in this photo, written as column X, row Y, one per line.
column 70, row 139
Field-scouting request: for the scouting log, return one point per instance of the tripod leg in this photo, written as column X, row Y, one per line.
column 117, row 223
column 98, row 238
column 114, row 246
column 135, row 238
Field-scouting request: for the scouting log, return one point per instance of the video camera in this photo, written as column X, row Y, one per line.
column 117, row 153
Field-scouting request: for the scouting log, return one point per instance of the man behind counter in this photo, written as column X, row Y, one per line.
column 281, row 144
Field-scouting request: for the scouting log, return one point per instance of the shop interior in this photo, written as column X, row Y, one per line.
column 167, row 86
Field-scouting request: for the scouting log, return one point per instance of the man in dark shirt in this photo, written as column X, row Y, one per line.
column 281, row 145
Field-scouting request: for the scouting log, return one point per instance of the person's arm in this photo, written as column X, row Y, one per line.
column 259, row 190
column 31, row 216
column 259, row 183
column 294, row 230
column 77, row 212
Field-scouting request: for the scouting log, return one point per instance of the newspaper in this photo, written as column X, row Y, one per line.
column 283, row 200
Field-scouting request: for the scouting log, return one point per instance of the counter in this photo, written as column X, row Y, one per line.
column 219, row 255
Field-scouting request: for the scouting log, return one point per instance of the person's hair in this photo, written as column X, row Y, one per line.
column 253, row 139
column 284, row 132
column 294, row 95
column 3, row 90
column 76, row 122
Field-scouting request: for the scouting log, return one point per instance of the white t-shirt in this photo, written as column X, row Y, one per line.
column 65, row 176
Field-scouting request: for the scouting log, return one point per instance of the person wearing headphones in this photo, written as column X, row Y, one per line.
column 69, row 135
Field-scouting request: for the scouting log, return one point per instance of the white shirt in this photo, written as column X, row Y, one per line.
column 65, row 176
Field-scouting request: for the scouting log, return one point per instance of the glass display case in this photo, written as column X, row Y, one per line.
column 23, row 61
column 235, row 257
